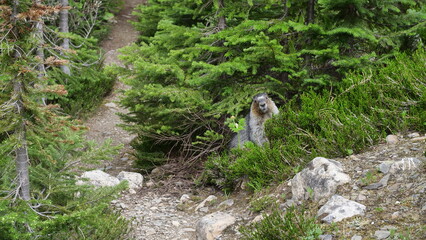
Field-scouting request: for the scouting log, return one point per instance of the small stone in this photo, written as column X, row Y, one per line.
column 111, row 105
column 132, row 191
column 175, row 223
column 150, row 231
column 226, row 203
column 405, row 164
column 184, row 198
column 123, row 206
column 413, row 135
column 361, row 197
column 210, row 227
column 382, row 183
column 356, row 237
column 203, row 203
column 381, row 234
column 179, row 184
column 149, row 183
column 157, row 171
column 258, row 218
column 338, row 208
column 124, row 159
column 385, row 166
column 418, row 139
column 134, row 179
column 188, row 230
column 204, row 209
column 392, row 139
column 395, row 215
column 326, row 237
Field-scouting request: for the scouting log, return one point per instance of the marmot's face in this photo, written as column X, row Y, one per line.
column 262, row 103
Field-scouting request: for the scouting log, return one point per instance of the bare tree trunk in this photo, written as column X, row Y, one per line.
column 310, row 12
column 63, row 27
column 310, row 17
column 222, row 21
column 21, row 158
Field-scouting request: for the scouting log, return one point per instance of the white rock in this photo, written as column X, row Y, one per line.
column 413, row 135
column 98, row 178
column 392, row 139
column 385, row 166
column 185, row 198
column 405, row 164
column 211, row 226
column 226, row 203
column 203, row 203
column 176, row 223
column 339, row 208
column 111, row 105
column 150, row 231
column 395, row 215
column 356, row 237
column 149, row 183
column 382, row 234
column 258, row 218
column 135, row 179
column 318, row 180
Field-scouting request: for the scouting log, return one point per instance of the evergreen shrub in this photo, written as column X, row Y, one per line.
column 366, row 107
column 59, row 209
column 86, row 90
column 200, row 62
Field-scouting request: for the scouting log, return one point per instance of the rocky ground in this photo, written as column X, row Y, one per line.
column 392, row 192
column 394, row 197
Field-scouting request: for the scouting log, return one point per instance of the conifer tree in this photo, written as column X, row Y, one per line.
column 185, row 67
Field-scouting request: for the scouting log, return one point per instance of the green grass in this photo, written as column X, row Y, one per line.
column 293, row 224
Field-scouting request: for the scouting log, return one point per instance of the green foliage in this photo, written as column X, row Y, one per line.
column 57, row 208
column 60, row 209
column 92, row 18
column 368, row 106
column 188, row 71
column 85, row 90
column 292, row 224
column 262, row 203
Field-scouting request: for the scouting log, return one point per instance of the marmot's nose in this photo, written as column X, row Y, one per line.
column 263, row 104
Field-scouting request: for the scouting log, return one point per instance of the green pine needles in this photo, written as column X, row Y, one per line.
column 200, row 62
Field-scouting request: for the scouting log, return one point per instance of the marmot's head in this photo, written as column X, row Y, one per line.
column 261, row 101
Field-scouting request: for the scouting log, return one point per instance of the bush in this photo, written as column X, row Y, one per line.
column 86, row 90
column 58, row 209
column 190, row 72
column 293, row 224
column 367, row 106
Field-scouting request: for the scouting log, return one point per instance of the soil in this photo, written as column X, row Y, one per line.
column 104, row 123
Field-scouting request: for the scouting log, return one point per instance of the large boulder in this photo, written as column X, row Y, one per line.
column 211, row 226
column 98, row 178
column 319, row 180
column 339, row 208
column 134, row 179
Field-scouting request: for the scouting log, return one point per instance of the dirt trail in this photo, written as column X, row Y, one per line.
column 153, row 211
column 103, row 124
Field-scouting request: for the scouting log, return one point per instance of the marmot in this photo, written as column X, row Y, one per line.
column 262, row 109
